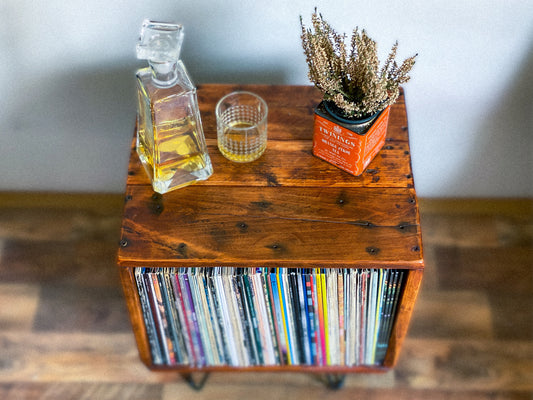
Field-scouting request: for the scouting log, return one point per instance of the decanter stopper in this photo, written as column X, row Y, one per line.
column 160, row 44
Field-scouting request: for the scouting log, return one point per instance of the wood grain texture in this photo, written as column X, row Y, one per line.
column 273, row 225
column 291, row 110
column 279, row 207
column 291, row 163
column 286, row 209
column 288, row 160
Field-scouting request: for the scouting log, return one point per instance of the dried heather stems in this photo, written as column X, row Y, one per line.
column 351, row 78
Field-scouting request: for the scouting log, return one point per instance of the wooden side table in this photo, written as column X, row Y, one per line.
column 288, row 209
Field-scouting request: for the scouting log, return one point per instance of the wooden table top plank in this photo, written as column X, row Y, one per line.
column 291, row 111
column 286, row 208
column 390, row 207
column 268, row 242
column 271, row 224
column 288, row 160
column 291, row 163
column 296, row 123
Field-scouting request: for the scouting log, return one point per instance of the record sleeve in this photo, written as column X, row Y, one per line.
column 191, row 314
column 302, row 304
column 272, row 334
column 250, row 323
column 364, row 276
column 371, row 316
column 310, row 315
column 264, row 326
column 173, row 320
column 218, row 323
column 321, row 320
column 235, row 316
column 382, row 281
column 279, row 320
column 226, row 315
column 285, row 310
column 381, row 346
column 341, row 289
column 156, row 305
column 296, row 322
column 212, row 316
column 333, row 316
column 181, row 310
column 208, row 337
column 144, row 295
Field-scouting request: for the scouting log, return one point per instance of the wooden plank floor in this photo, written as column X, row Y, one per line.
column 65, row 333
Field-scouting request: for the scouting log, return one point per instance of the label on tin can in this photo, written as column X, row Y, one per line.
column 346, row 149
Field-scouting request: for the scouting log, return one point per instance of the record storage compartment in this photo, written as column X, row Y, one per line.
column 286, row 263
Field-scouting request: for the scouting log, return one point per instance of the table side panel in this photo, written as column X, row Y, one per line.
column 131, row 296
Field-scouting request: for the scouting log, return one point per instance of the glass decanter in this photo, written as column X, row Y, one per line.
column 170, row 138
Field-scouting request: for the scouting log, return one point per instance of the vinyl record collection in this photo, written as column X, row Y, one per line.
column 241, row 317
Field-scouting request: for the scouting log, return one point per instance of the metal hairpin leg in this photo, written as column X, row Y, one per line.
column 196, row 384
column 332, row 381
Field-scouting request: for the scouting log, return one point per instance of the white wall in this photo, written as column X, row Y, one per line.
column 67, row 78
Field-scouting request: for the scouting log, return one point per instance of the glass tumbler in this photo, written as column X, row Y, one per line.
column 242, row 126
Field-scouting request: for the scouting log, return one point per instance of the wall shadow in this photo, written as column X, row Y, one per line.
column 74, row 131
column 229, row 73
column 504, row 149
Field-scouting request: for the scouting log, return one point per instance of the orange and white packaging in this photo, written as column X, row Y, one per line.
column 350, row 151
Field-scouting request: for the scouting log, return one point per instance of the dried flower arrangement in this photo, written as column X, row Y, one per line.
column 352, row 80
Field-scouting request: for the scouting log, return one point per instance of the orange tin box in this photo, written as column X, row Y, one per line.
column 339, row 144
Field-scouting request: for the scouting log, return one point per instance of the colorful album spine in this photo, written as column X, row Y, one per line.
column 322, row 329
column 279, row 319
column 216, row 316
column 193, row 318
column 154, row 306
column 252, row 316
column 144, row 296
column 324, row 291
column 182, row 310
column 273, row 335
column 340, row 301
column 310, row 313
